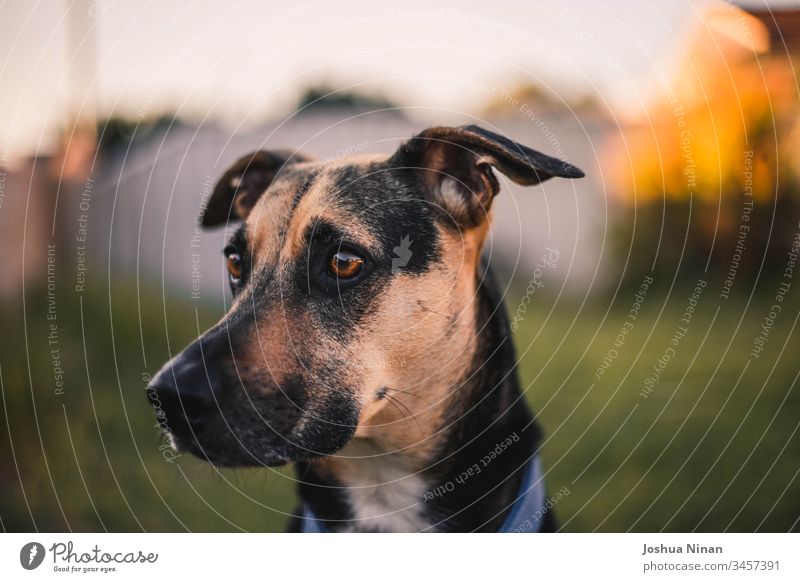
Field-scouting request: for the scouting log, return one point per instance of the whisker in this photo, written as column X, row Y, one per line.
column 393, row 402
column 425, row 400
column 397, row 404
column 428, row 309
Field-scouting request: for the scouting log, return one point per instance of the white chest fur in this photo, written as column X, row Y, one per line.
column 383, row 494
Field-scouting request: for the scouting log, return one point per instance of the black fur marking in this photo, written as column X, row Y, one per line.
column 393, row 206
column 326, row 497
column 337, row 306
column 304, row 188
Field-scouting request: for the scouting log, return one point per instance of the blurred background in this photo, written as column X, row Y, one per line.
column 661, row 353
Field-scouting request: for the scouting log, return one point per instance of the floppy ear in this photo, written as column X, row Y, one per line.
column 455, row 164
column 243, row 183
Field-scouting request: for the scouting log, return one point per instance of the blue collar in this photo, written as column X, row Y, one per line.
column 526, row 514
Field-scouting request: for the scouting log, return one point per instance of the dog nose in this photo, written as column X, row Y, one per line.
column 182, row 393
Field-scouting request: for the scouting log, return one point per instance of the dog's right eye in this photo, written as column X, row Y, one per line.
column 234, row 267
column 345, row 265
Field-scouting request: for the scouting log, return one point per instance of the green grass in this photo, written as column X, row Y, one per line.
column 714, row 446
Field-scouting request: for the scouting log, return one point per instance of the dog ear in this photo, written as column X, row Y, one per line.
column 455, row 164
column 243, row 183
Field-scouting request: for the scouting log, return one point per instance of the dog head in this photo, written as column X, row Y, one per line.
column 352, row 281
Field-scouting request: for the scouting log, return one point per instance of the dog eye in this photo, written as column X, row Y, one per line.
column 235, row 266
column 345, row 265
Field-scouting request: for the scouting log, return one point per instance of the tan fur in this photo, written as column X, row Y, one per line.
column 267, row 220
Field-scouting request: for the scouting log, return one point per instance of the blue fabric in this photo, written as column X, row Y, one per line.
column 526, row 514
column 310, row 522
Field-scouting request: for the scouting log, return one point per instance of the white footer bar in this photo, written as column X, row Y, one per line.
column 352, row 558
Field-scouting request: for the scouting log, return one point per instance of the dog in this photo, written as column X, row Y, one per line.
column 366, row 340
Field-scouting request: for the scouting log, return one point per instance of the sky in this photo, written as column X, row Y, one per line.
column 240, row 62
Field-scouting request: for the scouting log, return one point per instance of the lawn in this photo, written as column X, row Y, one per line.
column 682, row 430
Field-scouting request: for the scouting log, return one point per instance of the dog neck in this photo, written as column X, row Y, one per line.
column 465, row 477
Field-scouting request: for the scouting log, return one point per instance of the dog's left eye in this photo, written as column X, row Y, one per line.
column 234, row 267
column 345, row 265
